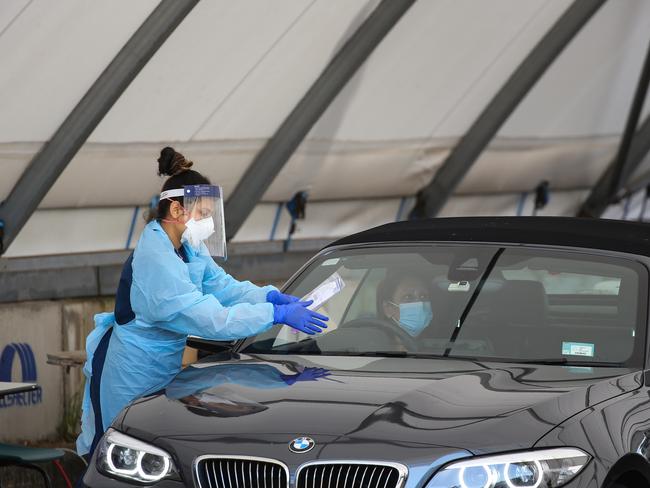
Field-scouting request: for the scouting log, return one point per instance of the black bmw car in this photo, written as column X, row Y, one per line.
column 460, row 353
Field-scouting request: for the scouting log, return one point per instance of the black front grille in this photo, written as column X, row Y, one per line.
column 240, row 473
column 347, row 475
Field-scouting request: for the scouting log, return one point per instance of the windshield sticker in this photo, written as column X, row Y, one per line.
column 331, row 262
column 578, row 349
column 326, row 290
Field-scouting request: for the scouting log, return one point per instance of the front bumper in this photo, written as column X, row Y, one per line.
column 421, row 460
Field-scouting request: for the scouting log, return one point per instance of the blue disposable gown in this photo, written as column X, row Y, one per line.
column 170, row 299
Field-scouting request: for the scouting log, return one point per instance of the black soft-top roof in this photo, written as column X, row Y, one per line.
column 612, row 235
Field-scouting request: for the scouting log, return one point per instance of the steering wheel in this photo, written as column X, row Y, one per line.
column 387, row 327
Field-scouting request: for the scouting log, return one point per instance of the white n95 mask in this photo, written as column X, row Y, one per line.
column 197, row 231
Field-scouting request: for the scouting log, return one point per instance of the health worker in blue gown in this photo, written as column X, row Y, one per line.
column 170, row 288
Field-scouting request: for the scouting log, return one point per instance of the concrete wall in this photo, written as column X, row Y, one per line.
column 38, row 325
column 76, row 325
column 42, row 327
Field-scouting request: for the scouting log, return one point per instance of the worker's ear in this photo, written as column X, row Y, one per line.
column 175, row 210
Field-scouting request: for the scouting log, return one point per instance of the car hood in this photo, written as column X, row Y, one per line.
column 478, row 406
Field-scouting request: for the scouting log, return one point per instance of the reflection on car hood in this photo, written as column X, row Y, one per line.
column 478, row 406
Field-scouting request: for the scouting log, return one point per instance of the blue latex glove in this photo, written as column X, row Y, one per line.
column 309, row 374
column 278, row 298
column 299, row 317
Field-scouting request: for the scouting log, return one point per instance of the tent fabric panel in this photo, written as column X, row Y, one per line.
column 107, row 229
column 105, row 175
column 332, row 219
column 64, row 47
column 259, row 225
column 588, row 89
column 72, row 231
column 14, row 158
column 335, row 170
column 426, row 69
column 126, row 174
column 273, row 89
column 515, row 165
column 10, row 10
column 564, row 203
column 333, row 163
column 250, row 63
column 176, row 92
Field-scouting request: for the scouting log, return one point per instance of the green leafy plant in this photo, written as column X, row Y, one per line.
column 69, row 427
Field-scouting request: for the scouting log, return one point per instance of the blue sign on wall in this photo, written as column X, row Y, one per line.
column 25, row 354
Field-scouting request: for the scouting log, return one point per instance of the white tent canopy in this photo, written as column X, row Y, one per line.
column 231, row 72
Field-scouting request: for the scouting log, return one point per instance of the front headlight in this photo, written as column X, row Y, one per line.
column 125, row 457
column 548, row 468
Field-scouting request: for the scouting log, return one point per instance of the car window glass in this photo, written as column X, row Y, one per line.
column 561, row 283
column 477, row 301
column 564, row 306
column 365, row 302
column 333, row 308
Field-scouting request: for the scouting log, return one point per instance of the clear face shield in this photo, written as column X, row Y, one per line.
column 204, row 219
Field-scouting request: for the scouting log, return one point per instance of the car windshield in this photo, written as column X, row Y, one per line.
column 519, row 304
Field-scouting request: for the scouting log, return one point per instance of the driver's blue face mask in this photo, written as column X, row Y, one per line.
column 414, row 316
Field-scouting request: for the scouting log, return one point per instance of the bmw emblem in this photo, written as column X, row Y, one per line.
column 302, row 445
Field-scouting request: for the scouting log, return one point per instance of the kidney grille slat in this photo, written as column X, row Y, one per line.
column 344, row 475
column 216, row 472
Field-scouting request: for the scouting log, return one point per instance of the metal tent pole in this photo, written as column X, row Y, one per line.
column 631, row 151
column 433, row 197
column 277, row 151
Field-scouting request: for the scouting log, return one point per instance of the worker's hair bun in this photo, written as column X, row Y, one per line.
column 171, row 163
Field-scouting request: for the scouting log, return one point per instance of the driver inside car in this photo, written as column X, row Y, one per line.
column 404, row 298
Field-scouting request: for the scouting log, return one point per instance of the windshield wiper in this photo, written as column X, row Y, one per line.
column 380, row 354
column 559, row 362
column 367, row 354
column 400, row 354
